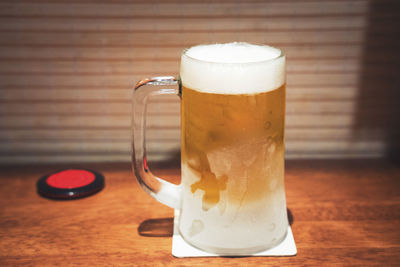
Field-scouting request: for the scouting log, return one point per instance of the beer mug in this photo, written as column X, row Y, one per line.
column 231, row 198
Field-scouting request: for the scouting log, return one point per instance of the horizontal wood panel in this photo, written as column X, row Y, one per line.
column 173, row 108
column 123, row 147
column 124, row 95
column 172, row 53
column 167, row 108
column 86, row 134
column 167, row 121
column 121, row 152
column 62, row 158
column 146, row 24
column 173, row 135
column 159, row 157
column 128, row 81
column 316, row 67
column 185, row 9
column 168, row 39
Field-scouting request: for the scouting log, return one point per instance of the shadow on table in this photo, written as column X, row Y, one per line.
column 290, row 217
column 159, row 227
column 164, row 227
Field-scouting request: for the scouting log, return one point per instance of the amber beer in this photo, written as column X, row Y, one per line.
column 232, row 109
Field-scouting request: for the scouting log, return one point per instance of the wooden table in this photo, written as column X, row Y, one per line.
column 344, row 213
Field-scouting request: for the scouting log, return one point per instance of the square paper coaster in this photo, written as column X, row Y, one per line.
column 181, row 249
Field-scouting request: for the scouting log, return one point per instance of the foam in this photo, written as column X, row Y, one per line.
column 233, row 68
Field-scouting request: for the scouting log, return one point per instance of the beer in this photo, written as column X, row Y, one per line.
column 232, row 150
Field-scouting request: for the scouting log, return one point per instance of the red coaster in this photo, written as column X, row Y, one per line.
column 70, row 184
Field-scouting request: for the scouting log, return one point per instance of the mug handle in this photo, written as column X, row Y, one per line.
column 163, row 191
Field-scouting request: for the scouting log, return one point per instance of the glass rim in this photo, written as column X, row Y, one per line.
column 281, row 55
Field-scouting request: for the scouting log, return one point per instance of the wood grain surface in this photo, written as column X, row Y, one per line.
column 344, row 213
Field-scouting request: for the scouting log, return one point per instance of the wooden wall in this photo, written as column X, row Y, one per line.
column 67, row 69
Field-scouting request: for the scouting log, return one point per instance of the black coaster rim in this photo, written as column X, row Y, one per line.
column 47, row 191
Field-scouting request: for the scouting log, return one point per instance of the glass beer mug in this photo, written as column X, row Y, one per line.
column 231, row 198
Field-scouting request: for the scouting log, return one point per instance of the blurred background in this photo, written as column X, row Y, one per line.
column 67, row 69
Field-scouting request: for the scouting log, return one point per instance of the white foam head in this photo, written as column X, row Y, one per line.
column 233, row 68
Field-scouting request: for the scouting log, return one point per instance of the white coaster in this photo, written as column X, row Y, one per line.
column 181, row 249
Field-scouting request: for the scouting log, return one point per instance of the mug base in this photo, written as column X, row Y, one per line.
column 232, row 252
